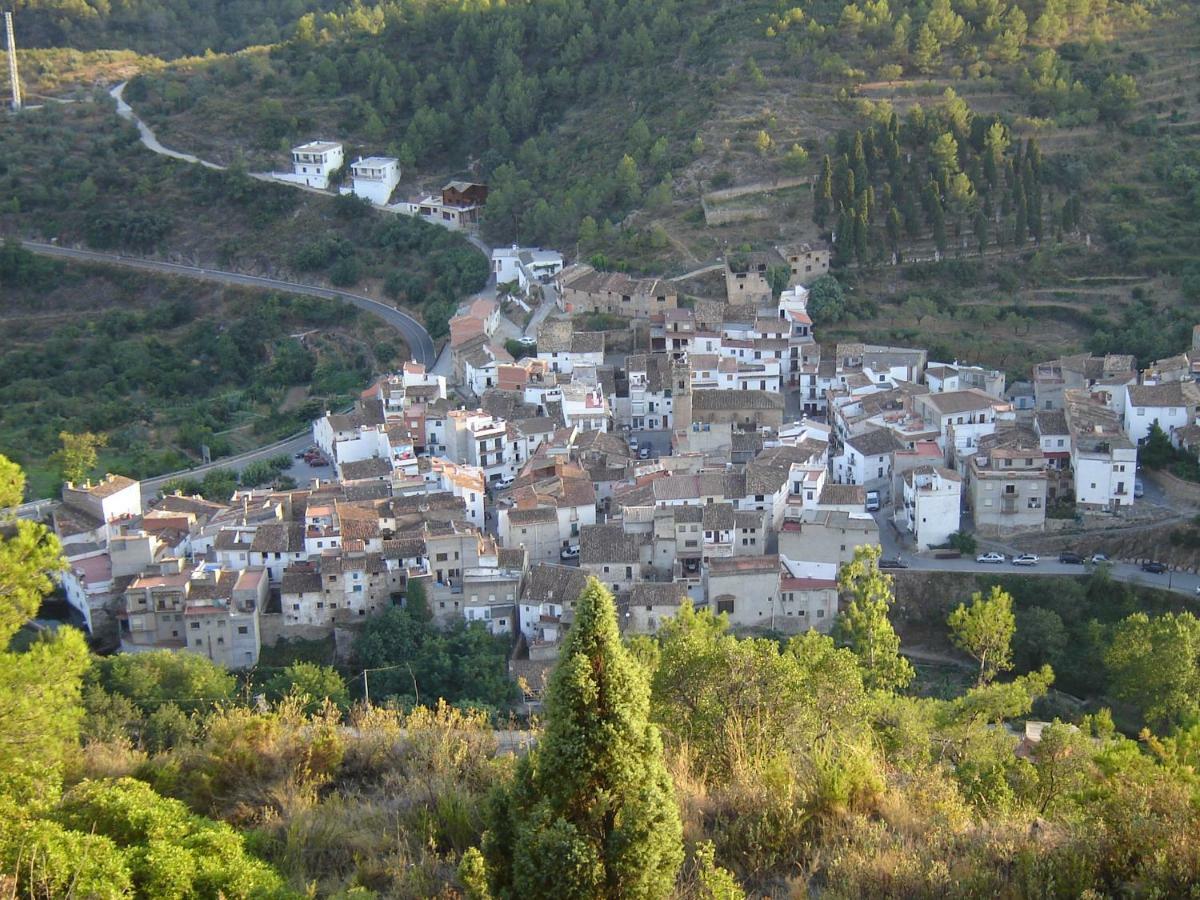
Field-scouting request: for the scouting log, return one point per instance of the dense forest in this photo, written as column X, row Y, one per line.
column 532, row 106
column 694, row 763
column 165, row 28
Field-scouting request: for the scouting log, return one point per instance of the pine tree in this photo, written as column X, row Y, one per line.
column 864, row 626
column 591, row 812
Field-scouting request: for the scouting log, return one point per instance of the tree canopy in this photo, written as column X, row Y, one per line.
column 592, row 811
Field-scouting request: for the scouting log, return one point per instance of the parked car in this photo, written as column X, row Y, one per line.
column 896, row 563
column 503, row 484
column 1098, row 558
column 1070, row 558
column 569, row 552
column 992, row 557
column 1139, row 489
column 1025, row 559
column 872, row 501
column 633, row 445
column 644, row 453
column 1153, row 567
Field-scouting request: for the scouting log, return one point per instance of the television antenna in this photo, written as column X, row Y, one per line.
column 13, row 78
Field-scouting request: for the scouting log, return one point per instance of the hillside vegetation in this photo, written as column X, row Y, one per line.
column 77, row 174
column 162, row 366
column 1044, row 150
column 738, row 766
column 167, row 28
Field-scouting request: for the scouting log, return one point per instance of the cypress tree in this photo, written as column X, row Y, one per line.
column 591, row 812
column 823, row 203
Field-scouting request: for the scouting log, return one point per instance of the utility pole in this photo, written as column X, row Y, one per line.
column 13, row 78
column 366, row 688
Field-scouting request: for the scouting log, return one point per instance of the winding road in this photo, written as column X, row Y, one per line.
column 419, row 342
column 414, row 333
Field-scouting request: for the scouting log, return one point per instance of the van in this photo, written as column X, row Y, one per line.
column 1138, row 488
column 872, row 501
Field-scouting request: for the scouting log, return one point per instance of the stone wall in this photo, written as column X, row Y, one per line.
column 273, row 630
column 1176, row 489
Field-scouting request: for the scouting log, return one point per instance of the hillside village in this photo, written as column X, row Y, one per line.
column 717, row 454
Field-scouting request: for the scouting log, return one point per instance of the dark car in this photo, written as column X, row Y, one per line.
column 1155, row 568
column 1070, row 558
column 896, row 563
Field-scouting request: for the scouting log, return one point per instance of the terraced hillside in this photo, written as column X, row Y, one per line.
column 661, row 137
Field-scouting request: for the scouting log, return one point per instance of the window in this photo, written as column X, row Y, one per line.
column 243, row 629
column 442, row 557
column 195, row 626
column 724, row 606
column 1010, row 489
column 1035, row 502
column 197, row 642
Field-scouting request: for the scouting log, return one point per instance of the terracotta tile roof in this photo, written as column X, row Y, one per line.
column 550, row 583
column 375, row 467
column 300, row 582
column 278, row 538
column 540, row 515
column 647, row 593
column 705, row 400
column 842, row 495
column 606, row 544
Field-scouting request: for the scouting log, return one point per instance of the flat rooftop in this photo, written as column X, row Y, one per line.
column 317, row 147
column 375, row 162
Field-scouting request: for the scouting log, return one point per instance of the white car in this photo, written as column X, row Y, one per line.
column 992, row 557
column 644, row 453
column 503, row 484
column 1098, row 558
column 1025, row 559
column 569, row 552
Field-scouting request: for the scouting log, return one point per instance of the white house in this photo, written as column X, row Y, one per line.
column 374, row 178
column 525, row 266
column 866, row 458
column 586, row 407
column 932, row 503
column 479, row 439
column 562, row 348
column 1103, row 458
column 463, row 481
column 314, row 162
column 1172, row 405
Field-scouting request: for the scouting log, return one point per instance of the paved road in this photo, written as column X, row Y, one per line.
column 414, row 333
column 1179, row 582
